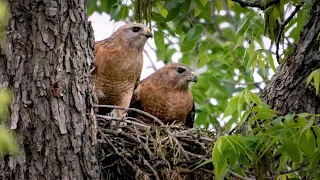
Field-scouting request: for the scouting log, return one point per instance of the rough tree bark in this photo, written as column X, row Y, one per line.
column 46, row 60
column 287, row 91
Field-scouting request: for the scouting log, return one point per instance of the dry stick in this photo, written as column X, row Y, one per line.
column 152, row 117
column 238, row 175
column 151, row 168
column 110, row 118
column 282, row 28
column 257, row 4
column 136, row 168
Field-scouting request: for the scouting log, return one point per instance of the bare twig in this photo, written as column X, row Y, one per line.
column 246, row 83
column 151, row 168
column 155, row 119
column 153, row 66
column 214, row 20
column 282, row 28
column 110, row 118
column 257, row 4
column 238, row 175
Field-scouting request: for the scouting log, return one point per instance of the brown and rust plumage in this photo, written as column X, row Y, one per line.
column 118, row 63
column 166, row 95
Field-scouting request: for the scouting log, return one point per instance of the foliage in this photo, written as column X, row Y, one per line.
column 235, row 46
column 7, row 141
column 315, row 75
column 291, row 139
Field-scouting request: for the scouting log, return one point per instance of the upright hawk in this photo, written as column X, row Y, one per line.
column 166, row 95
column 118, row 64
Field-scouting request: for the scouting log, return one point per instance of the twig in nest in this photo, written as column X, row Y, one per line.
column 281, row 30
column 133, row 166
column 110, row 118
column 155, row 119
column 151, row 168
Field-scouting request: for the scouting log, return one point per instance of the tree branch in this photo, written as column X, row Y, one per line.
column 257, row 4
column 153, row 66
column 281, row 30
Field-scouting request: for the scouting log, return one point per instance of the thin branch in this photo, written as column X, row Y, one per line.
column 214, row 20
column 109, row 118
column 300, row 168
column 155, row 119
column 257, row 4
column 153, row 66
column 151, row 168
column 228, row 14
column 282, row 28
column 238, row 175
column 245, row 84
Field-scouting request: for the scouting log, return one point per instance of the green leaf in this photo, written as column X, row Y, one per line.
column 262, row 65
column 203, row 60
column 123, row 13
column 240, row 40
column 283, row 160
column 316, row 130
column 115, row 10
column 173, row 9
column 204, row 11
column 203, row 47
column 254, row 98
column 316, row 81
column 240, row 102
column 310, row 77
column 252, row 60
column 230, row 3
column 219, row 5
column 187, row 46
column 197, row 10
column 293, row 151
column 218, row 159
column 242, row 22
column 107, row 5
column 271, row 62
column 231, row 107
column 244, row 117
column 162, row 10
column 193, row 33
column 157, row 17
column 251, row 49
column 159, row 41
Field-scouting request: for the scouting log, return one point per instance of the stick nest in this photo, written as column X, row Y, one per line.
column 130, row 149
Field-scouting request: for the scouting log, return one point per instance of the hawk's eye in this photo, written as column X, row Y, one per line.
column 135, row 29
column 181, row 70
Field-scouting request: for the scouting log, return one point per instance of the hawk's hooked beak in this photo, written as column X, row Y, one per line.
column 148, row 33
column 193, row 77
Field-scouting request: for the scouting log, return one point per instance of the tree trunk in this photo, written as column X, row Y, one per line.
column 46, row 61
column 287, row 91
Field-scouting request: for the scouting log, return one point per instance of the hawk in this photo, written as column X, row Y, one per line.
column 166, row 95
column 118, row 65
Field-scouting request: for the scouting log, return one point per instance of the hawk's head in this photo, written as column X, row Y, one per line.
column 177, row 75
column 134, row 34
